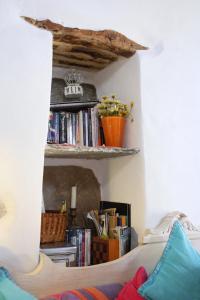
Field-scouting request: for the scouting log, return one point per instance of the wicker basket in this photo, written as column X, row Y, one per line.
column 53, row 227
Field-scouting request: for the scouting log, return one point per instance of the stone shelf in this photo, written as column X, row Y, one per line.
column 68, row 151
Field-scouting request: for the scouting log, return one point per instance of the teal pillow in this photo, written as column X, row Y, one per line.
column 9, row 290
column 177, row 274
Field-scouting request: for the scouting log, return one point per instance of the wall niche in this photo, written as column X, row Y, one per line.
column 57, row 184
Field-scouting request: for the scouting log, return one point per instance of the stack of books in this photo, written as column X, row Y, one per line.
column 60, row 252
column 113, row 222
column 81, row 238
column 74, row 128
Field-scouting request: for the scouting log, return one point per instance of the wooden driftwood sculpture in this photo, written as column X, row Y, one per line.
column 86, row 48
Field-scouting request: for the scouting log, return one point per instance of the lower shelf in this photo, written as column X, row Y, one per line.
column 69, row 151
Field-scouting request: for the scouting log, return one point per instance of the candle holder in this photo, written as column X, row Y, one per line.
column 72, row 217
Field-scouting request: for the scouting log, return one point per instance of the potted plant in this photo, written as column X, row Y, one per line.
column 113, row 114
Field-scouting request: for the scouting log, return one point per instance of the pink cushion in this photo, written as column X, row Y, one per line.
column 129, row 290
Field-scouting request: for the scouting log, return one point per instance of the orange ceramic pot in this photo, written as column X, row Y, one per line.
column 113, row 128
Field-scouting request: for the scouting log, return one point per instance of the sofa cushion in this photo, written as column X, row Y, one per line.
column 129, row 290
column 104, row 292
column 9, row 290
column 177, row 274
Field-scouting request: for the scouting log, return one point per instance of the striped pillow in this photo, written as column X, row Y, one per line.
column 104, row 292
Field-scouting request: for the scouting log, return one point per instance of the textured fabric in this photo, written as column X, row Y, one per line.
column 177, row 274
column 9, row 290
column 104, row 292
column 129, row 291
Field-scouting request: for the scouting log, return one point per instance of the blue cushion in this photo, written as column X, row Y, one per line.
column 9, row 290
column 177, row 274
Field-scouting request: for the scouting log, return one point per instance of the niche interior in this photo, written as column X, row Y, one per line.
column 91, row 52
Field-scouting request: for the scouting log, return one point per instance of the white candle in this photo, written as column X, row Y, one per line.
column 73, row 197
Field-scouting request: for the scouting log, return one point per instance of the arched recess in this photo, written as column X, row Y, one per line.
column 22, row 157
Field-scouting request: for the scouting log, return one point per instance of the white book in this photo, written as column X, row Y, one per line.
column 93, row 127
column 87, row 247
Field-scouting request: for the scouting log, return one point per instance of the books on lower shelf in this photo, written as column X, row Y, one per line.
column 122, row 209
column 75, row 128
column 60, row 252
column 81, row 238
column 112, row 222
column 123, row 234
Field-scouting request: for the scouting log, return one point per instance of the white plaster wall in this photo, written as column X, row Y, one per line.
column 25, row 80
column 171, row 110
column 169, row 81
column 126, row 175
column 169, row 89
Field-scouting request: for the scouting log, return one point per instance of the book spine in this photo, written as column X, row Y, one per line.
column 56, row 116
column 63, row 129
column 83, row 249
column 69, row 128
column 73, row 128
column 125, row 235
column 87, row 247
column 93, row 126
column 51, row 130
column 80, row 115
column 101, row 134
column 89, row 128
column 86, row 128
column 97, row 134
column 77, row 130
column 79, row 248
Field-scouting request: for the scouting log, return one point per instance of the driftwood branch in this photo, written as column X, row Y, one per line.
column 88, row 48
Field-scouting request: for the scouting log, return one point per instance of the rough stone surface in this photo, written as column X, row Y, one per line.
column 57, row 183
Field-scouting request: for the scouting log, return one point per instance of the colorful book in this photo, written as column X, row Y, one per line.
column 63, row 127
column 53, row 128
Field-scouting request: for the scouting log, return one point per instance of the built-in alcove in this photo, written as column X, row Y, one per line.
column 57, row 184
column 102, row 57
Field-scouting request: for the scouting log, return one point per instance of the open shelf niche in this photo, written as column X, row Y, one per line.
column 92, row 51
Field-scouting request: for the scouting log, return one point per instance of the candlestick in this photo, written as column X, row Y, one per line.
column 72, row 217
column 73, row 196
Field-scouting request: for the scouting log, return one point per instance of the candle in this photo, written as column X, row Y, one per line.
column 73, row 197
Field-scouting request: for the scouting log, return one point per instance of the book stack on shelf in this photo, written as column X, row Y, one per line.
column 81, row 239
column 60, row 252
column 74, row 128
column 112, row 222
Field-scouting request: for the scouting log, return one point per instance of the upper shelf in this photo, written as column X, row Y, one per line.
column 86, row 48
column 66, row 151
